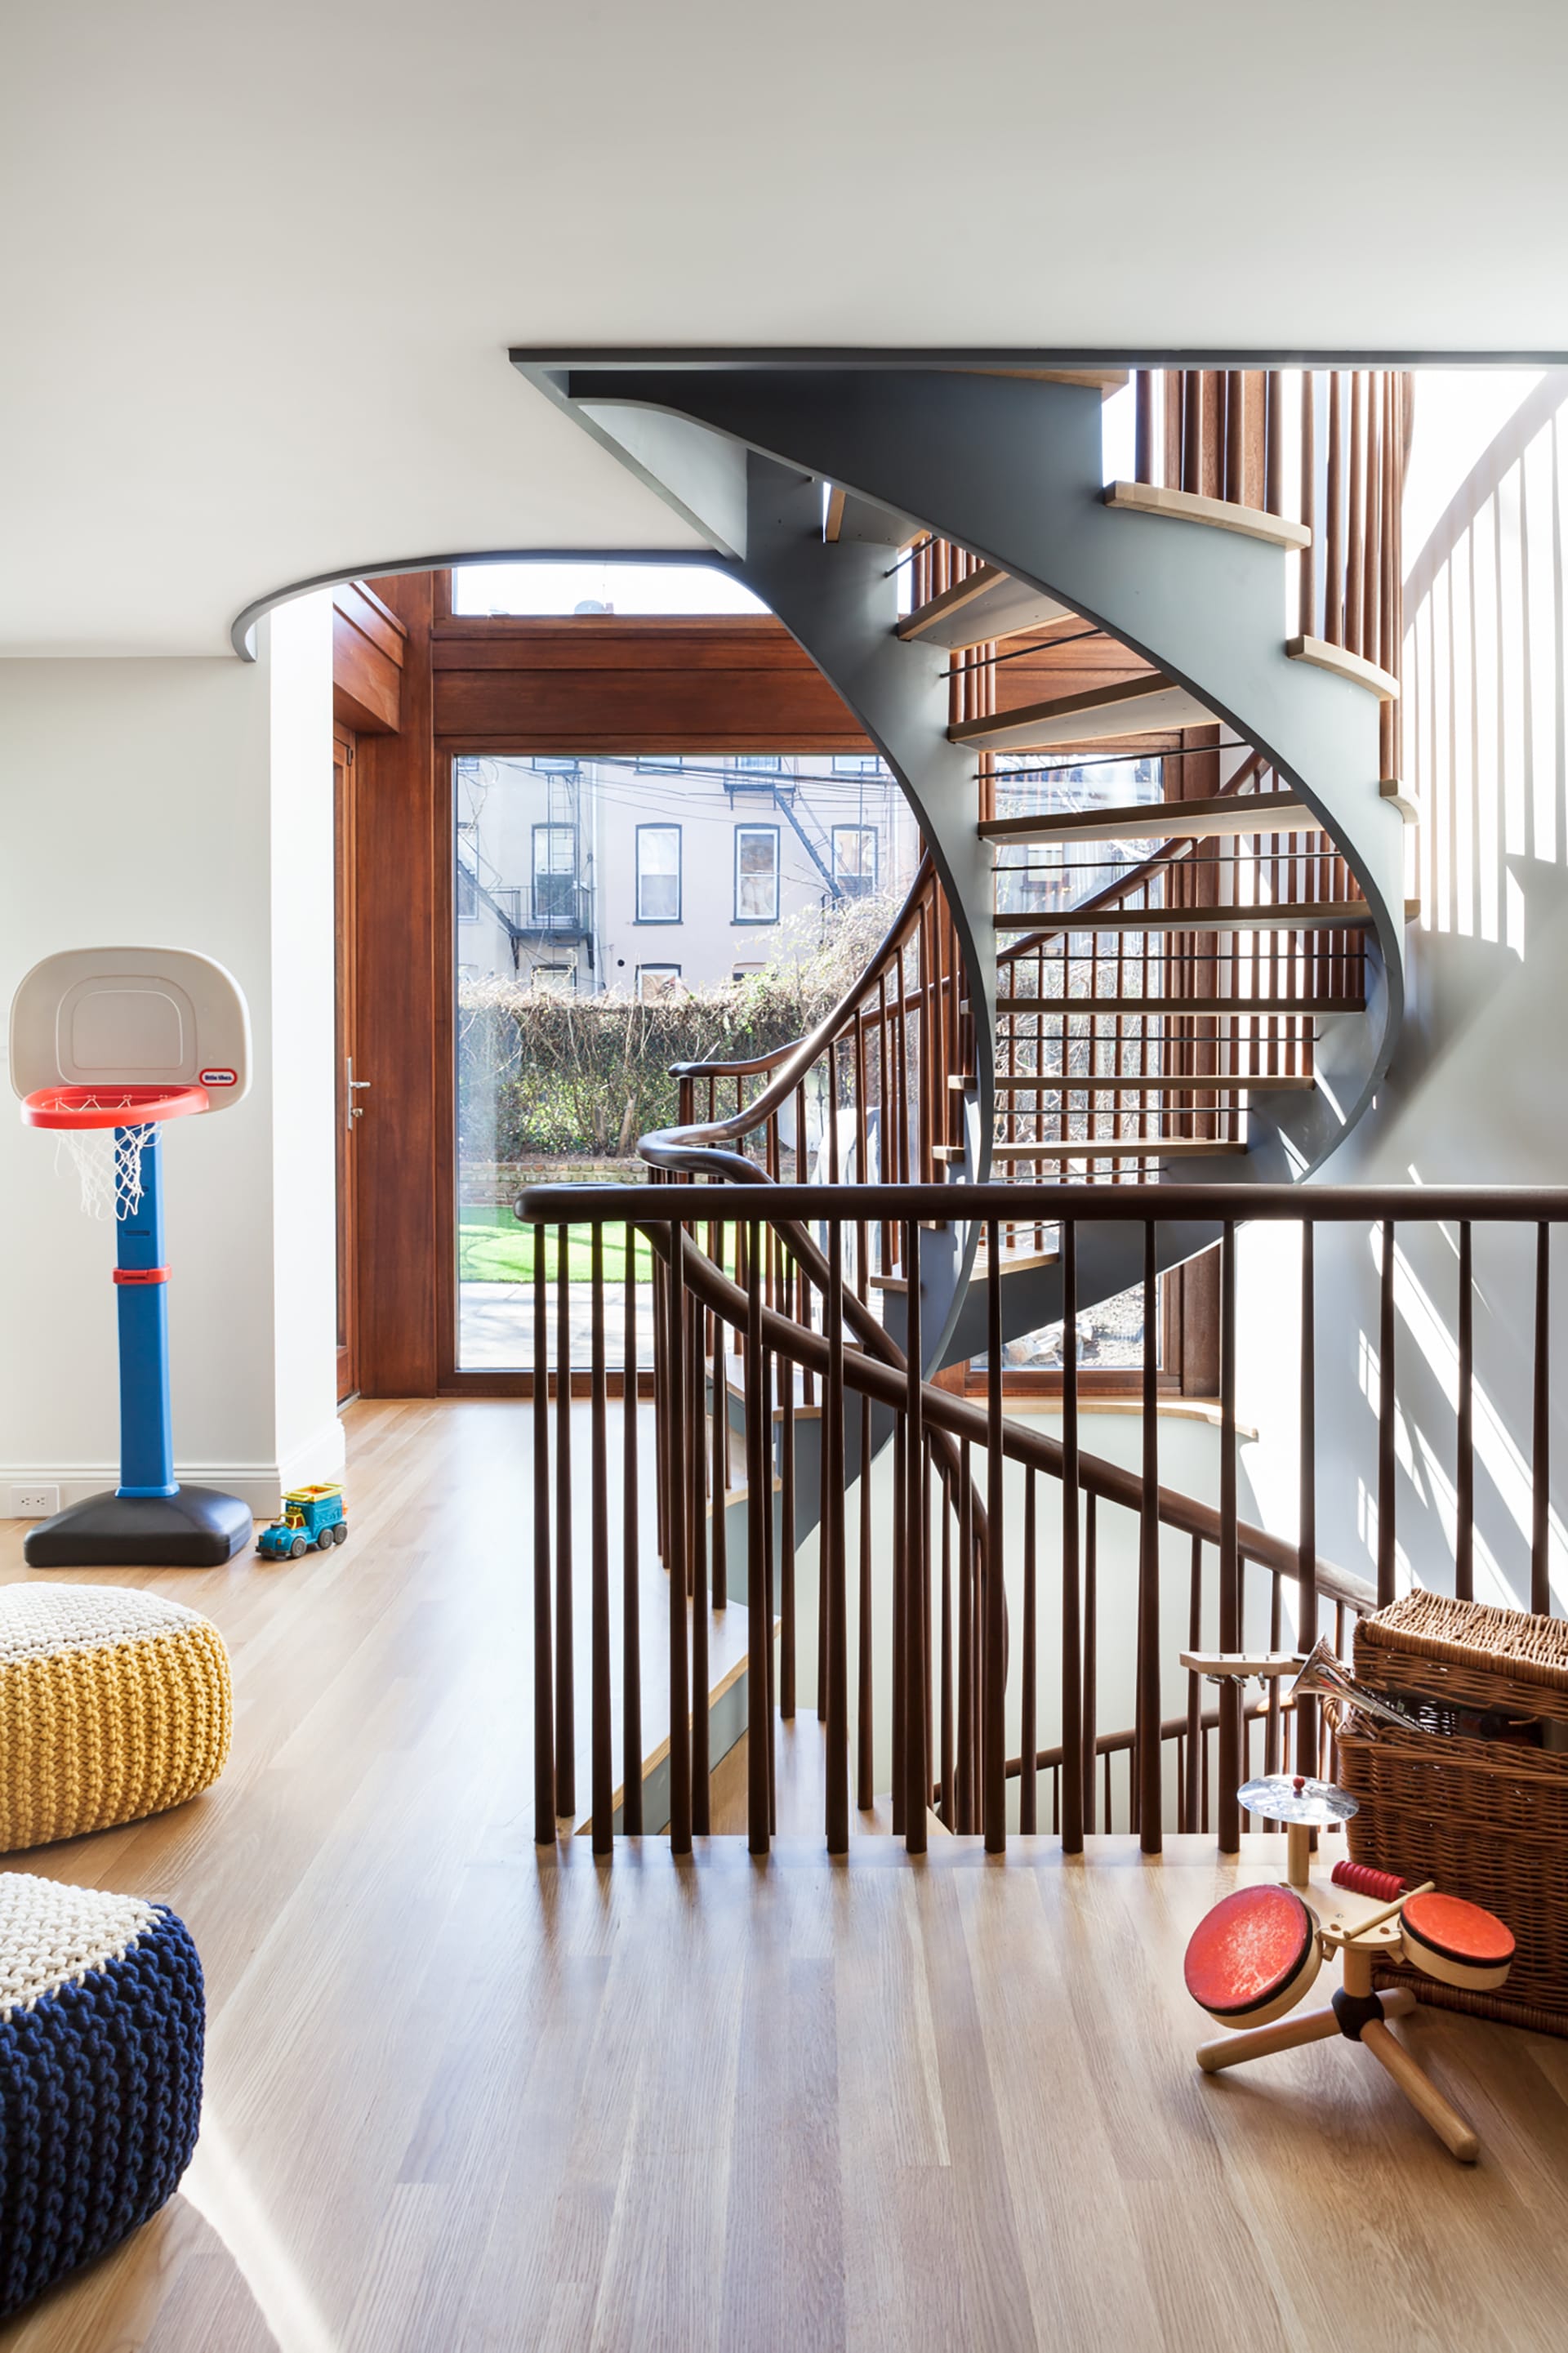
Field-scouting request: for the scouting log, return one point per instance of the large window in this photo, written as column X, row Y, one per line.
column 756, row 874
column 554, row 875
column 855, row 860
column 658, row 874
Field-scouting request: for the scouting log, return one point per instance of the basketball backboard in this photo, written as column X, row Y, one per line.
column 135, row 1017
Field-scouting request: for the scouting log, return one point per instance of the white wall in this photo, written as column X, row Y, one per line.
column 186, row 802
column 1477, row 1092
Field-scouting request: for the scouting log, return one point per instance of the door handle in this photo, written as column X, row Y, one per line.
column 353, row 1086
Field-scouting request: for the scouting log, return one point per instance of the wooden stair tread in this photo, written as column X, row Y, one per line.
column 1127, row 706
column 1323, row 656
column 1013, row 1262
column 1303, row 915
column 1220, row 813
column 1219, row 514
column 989, row 603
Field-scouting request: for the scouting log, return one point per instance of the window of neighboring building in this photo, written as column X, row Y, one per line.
column 650, row 762
column 559, row 980
column 658, row 874
column 856, row 764
column 760, row 764
column 744, row 971
column 756, row 874
column 468, row 897
column 554, row 873
column 855, row 860
column 659, row 980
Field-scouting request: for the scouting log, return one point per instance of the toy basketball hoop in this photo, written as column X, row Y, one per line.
column 107, row 1045
column 106, row 1131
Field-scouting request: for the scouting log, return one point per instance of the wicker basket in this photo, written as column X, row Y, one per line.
column 1485, row 1819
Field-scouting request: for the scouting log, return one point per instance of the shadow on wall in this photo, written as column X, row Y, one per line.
column 1477, row 1093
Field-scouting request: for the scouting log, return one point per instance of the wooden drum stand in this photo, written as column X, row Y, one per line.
column 1256, row 1953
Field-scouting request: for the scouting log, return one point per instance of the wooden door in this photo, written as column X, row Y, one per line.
column 350, row 1088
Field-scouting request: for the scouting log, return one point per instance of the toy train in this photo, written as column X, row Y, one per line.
column 311, row 1516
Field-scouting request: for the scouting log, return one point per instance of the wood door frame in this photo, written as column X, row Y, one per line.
column 345, row 870
column 711, row 686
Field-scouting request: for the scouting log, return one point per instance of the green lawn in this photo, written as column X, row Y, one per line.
column 493, row 1248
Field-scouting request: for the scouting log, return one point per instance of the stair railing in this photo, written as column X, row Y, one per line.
column 936, row 1621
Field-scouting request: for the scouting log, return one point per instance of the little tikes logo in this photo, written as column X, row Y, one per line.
column 218, row 1077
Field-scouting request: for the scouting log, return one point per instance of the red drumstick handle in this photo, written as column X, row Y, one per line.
column 1361, row 1880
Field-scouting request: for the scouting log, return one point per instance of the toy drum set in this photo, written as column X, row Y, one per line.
column 1257, row 1954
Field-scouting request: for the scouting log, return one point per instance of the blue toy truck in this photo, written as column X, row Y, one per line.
column 311, row 1516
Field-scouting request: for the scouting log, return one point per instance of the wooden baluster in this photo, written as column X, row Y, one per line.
column 1272, row 1759
column 1028, row 1739
column 1150, row 1761
column 901, row 1551
column 1189, row 1802
column 759, row 1616
column 603, row 1760
column 1172, row 477
column 787, row 1545
column 770, row 1584
column 1143, row 439
column 995, row 1730
column 865, row 1761
column 679, row 1681
column 1091, row 1664
column 832, row 1546
column 544, row 1702
column 1307, row 617
column 1274, row 444
column 1229, row 1552
column 964, row 1779
column 1077, row 1776
column 1335, row 557
column 631, row 1600
column 949, row 1805
column 1387, row 1468
column 1193, row 405
column 565, row 1703
column 1541, row 1464
column 720, row 1480
column 1372, row 543
column 1465, row 1467
column 1356, row 501
column 1233, row 461
column 701, row 1786
column 917, row 1786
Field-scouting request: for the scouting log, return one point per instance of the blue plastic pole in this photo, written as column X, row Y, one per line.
column 146, row 1432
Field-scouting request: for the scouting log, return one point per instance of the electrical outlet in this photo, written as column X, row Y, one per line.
column 34, row 1503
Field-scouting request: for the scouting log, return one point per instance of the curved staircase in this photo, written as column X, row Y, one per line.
column 1222, row 1006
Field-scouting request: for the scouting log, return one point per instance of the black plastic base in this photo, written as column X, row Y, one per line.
column 197, row 1528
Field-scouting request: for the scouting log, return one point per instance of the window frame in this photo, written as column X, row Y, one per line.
column 667, row 971
column 541, row 920
column 871, row 886
column 755, row 923
column 663, row 826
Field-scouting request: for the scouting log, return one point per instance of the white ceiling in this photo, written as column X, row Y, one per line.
column 261, row 267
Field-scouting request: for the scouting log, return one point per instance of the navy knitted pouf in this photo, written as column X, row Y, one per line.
column 100, row 2073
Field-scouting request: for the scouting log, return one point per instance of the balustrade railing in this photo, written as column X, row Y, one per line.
column 937, row 1603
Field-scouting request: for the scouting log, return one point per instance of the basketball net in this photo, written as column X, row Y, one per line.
column 108, row 1162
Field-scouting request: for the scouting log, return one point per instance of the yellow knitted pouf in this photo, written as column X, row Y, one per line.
column 113, row 1704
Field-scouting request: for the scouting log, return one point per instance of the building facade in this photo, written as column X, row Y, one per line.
column 642, row 875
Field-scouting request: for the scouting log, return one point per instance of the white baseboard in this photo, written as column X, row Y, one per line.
column 259, row 1484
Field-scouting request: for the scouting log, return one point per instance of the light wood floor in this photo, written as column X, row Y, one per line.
column 462, row 2095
